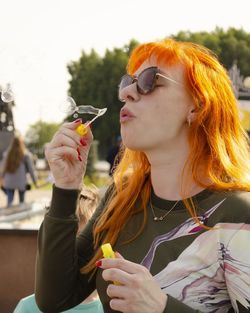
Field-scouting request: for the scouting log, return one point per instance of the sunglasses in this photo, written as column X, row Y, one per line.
column 145, row 81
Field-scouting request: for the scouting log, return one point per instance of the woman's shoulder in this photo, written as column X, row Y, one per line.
column 239, row 199
column 27, row 154
column 233, row 206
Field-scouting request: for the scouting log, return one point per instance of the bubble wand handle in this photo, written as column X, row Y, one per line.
column 82, row 129
column 91, row 121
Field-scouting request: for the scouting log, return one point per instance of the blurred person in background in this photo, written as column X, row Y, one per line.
column 17, row 163
column 113, row 155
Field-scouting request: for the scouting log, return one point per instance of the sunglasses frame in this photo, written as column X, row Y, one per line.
column 134, row 79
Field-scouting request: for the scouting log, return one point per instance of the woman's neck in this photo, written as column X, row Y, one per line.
column 167, row 176
column 168, row 187
column 166, row 182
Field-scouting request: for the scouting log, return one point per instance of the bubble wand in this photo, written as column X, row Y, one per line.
column 72, row 108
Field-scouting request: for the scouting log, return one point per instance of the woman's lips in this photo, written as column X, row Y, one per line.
column 126, row 115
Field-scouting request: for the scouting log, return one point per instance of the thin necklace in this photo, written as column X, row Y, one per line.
column 161, row 218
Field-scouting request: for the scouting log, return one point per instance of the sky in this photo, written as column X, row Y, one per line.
column 39, row 38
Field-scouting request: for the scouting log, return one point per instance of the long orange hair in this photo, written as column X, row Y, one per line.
column 216, row 138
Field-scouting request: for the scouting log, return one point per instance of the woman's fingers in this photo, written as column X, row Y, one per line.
column 120, row 297
column 68, row 130
column 70, row 138
column 74, row 124
column 65, row 136
column 117, row 275
column 117, row 291
column 119, row 305
column 61, row 153
column 122, row 264
column 64, row 140
column 67, row 155
column 138, row 292
column 123, row 271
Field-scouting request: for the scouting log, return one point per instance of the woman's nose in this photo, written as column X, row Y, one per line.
column 129, row 93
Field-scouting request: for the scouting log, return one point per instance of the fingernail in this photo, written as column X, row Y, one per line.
column 98, row 263
column 79, row 158
column 83, row 142
column 78, row 120
column 78, row 151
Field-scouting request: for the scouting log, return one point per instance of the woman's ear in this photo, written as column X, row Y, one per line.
column 191, row 116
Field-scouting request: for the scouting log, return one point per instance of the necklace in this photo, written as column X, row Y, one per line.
column 161, row 218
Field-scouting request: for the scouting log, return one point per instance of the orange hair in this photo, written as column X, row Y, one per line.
column 216, row 138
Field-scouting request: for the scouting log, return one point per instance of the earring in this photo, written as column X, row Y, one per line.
column 189, row 121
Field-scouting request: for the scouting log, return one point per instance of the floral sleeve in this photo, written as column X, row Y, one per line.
column 236, row 264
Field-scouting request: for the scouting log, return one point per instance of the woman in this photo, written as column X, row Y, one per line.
column 179, row 209
column 17, row 162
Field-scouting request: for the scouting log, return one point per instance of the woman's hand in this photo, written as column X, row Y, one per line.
column 137, row 291
column 67, row 155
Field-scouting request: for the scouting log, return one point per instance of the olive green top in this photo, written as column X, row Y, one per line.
column 201, row 270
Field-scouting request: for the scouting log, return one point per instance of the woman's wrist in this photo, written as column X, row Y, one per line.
column 64, row 202
column 69, row 185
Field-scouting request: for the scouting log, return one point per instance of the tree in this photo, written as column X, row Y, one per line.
column 94, row 80
column 38, row 135
column 230, row 46
column 85, row 77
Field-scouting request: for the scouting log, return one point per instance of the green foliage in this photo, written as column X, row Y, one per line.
column 230, row 46
column 92, row 159
column 98, row 181
column 84, row 78
column 38, row 134
column 94, row 81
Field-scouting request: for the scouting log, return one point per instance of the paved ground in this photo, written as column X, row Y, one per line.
column 40, row 194
column 34, row 195
column 31, row 214
column 31, row 196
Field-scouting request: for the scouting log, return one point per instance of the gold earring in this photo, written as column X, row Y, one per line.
column 189, row 121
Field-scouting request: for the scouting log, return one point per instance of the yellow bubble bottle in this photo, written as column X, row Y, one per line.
column 81, row 130
column 109, row 254
column 107, row 251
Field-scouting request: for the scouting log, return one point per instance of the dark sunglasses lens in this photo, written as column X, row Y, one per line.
column 126, row 80
column 146, row 81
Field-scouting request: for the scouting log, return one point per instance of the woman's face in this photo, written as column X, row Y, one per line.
column 158, row 119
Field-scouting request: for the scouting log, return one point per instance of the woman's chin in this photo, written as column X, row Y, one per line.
column 133, row 146
column 132, row 142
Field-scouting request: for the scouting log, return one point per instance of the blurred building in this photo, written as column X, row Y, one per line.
column 242, row 91
column 7, row 126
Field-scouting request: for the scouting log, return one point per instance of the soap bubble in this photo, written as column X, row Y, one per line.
column 7, row 94
column 69, row 107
